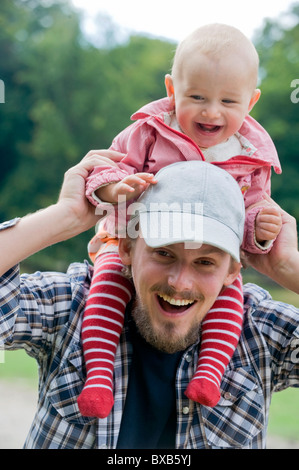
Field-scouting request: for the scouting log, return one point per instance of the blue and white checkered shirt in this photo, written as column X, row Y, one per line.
column 42, row 313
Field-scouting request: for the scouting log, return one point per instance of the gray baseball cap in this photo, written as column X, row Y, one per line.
column 193, row 202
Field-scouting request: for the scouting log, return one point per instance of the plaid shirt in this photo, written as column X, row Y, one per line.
column 42, row 313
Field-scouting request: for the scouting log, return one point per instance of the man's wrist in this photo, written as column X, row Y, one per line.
column 287, row 274
column 65, row 223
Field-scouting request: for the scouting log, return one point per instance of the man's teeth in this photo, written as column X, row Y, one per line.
column 176, row 302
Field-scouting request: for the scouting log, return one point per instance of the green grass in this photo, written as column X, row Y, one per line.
column 284, row 296
column 18, row 364
column 284, row 414
column 284, row 410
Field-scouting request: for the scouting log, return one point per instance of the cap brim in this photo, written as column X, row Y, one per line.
column 166, row 228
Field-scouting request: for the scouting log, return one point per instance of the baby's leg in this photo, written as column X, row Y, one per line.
column 109, row 294
column 221, row 330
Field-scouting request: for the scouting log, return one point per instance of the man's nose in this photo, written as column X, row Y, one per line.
column 181, row 279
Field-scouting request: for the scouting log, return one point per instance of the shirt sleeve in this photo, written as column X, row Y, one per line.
column 250, row 243
column 260, row 184
column 33, row 308
column 135, row 142
column 279, row 325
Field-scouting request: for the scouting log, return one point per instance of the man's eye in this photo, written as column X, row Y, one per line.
column 206, row 262
column 162, row 253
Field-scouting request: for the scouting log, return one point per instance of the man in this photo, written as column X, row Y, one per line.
column 158, row 351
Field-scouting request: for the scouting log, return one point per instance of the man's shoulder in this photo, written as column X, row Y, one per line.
column 80, row 272
column 258, row 304
column 76, row 273
column 254, row 295
column 269, row 314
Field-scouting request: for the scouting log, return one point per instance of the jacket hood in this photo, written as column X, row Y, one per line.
column 164, row 105
column 250, row 129
column 260, row 138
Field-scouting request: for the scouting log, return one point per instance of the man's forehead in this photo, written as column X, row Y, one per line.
column 190, row 247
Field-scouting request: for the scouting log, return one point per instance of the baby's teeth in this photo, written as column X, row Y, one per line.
column 177, row 302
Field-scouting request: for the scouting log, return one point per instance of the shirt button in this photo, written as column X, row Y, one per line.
column 228, row 396
column 189, row 358
column 185, row 410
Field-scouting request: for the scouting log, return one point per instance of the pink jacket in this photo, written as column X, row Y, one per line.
column 150, row 144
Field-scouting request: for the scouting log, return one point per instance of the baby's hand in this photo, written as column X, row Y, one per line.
column 131, row 187
column 267, row 224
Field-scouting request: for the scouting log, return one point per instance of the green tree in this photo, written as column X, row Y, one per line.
column 70, row 97
column 278, row 44
column 16, row 127
column 65, row 96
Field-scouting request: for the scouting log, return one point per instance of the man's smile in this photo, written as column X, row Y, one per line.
column 174, row 306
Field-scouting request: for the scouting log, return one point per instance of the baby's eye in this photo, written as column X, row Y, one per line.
column 228, row 101
column 196, row 97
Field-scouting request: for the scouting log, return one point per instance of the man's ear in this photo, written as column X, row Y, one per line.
column 233, row 273
column 124, row 250
column 169, row 86
column 254, row 99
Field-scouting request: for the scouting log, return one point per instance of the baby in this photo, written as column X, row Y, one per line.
column 210, row 92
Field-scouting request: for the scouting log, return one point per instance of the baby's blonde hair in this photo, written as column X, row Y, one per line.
column 217, row 41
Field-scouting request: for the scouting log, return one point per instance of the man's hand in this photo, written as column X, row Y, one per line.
column 72, row 196
column 105, row 157
column 282, row 262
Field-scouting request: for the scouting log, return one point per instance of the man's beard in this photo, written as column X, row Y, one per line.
column 166, row 338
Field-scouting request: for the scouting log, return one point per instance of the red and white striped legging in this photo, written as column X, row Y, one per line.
column 103, row 320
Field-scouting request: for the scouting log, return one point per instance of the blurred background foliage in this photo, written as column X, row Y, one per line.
column 65, row 95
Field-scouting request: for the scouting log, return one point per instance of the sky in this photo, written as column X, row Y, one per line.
column 175, row 20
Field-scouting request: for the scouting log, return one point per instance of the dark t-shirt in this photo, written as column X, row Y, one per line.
column 149, row 418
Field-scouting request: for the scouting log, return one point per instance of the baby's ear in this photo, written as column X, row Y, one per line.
column 254, row 99
column 169, row 86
